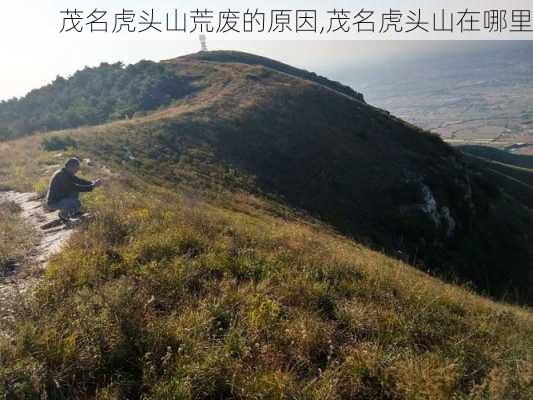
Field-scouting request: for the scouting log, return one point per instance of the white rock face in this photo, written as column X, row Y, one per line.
column 430, row 204
column 441, row 216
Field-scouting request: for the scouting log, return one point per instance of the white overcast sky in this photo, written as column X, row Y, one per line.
column 33, row 52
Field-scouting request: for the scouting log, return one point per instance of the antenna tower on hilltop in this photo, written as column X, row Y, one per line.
column 203, row 42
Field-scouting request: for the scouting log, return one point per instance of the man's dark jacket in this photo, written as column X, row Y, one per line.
column 63, row 184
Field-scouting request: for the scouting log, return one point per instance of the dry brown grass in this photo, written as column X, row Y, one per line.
column 167, row 295
column 172, row 297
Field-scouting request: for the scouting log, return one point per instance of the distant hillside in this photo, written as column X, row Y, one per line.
column 507, row 170
column 372, row 176
column 491, row 153
column 92, row 96
column 113, row 91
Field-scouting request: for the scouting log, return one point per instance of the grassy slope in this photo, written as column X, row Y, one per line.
column 181, row 289
column 253, row 128
column 172, row 295
column 233, row 57
column 260, row 126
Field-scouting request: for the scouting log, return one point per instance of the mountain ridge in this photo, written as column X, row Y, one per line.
column 227, row 257
column 249, row 125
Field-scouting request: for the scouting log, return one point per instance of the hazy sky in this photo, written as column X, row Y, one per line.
column 34, row 53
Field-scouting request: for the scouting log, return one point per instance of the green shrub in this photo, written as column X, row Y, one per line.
column 57, row 143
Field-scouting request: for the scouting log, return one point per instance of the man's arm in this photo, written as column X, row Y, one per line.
column 84, row 188
column 81, row 185
column 79, row 181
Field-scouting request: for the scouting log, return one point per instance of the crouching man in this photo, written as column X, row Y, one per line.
column 64, row 190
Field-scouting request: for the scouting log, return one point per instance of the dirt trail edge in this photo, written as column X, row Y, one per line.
column 49, row 242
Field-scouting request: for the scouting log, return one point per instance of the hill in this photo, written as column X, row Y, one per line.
column 500, row 156
column 256, row 125
column 90, row 97
column 222, row 262
column 114, row 91
column 252, row 59
column 170, row 294
column 372, row 176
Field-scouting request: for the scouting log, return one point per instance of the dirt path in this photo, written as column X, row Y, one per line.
column 49, row 242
